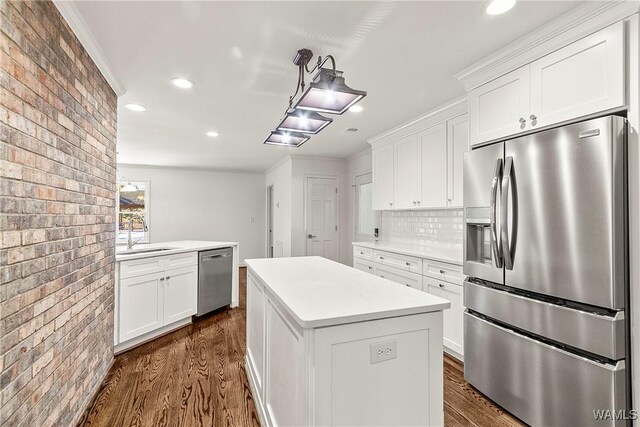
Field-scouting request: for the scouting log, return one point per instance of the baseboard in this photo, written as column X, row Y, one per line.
column 453, row 353
column 150, row 336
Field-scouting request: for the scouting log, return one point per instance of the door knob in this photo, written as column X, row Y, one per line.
column 441, row 285
column 522, row 120
column 311, row 236
column 533, row 117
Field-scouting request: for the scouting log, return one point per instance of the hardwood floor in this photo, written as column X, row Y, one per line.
column 195, row 376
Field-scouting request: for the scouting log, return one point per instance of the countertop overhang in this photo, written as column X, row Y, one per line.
column 318, row 292
column 176, row 247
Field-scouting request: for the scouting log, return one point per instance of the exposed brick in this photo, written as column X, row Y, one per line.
column 57, row 198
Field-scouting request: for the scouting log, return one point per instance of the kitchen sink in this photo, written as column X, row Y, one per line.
column 142, row 251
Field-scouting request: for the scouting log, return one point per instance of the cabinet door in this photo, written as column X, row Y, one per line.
column 407, row 173
column 383, row 162
column 433, row 166
column 180, row 293
column 583, row 78
column 457, row 145
column 500, row 107
column 256, row 325
column 141, row 309
column 452, row 318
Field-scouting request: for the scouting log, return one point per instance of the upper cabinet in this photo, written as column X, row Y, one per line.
column 419, row 165
column 583, row 78
column 383, row 177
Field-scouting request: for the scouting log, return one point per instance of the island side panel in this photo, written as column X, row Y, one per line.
column 407, row 390
column 256, row 328
column 235, row 277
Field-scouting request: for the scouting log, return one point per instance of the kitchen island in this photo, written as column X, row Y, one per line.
column 330, row 345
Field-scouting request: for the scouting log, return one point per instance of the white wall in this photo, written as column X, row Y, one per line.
column 280, row 177
column 192, row 204
column 303, row 167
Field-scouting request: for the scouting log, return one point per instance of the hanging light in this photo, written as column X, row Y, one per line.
column 329, row 94
column 303, row 121
column 287, row 139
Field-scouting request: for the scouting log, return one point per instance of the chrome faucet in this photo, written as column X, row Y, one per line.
column 130, row 242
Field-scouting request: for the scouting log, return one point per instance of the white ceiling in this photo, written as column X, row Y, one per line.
column 238, row 54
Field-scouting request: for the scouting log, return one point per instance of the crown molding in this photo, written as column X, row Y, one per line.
column 78, row 25
column 190, row 169
column 440, row 114
column 319, row 158
column 573, row 25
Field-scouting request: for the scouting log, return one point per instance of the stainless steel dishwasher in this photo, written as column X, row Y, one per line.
column 215, row 270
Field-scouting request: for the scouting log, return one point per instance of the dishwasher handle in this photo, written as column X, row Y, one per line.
column 223, row 255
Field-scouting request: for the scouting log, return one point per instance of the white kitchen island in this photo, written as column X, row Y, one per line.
column 330, row 345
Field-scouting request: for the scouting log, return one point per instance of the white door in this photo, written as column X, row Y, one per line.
column 364, row 215
column 322, row 217
column 457, row 145
column 583, row 78
column 383, row 176
column 500, row 107
column 407, row 173
column 452, row 326
column 433, row 172
column 180, row 288
column 140, row 305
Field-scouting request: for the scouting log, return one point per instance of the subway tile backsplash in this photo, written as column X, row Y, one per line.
column 422, row 227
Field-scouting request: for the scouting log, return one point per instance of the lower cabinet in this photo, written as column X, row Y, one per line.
column 151, row 295
column 437, row 278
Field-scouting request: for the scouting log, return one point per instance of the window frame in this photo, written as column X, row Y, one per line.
column 146, row 238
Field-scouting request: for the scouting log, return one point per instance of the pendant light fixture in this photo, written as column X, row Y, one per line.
column 327, row 93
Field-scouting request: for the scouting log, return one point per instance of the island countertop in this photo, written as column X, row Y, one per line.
column 318, row 292
column 174, row 247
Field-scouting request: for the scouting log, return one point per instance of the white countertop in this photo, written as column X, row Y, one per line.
column 175, row 248
column 437, row 251
column 318, row 292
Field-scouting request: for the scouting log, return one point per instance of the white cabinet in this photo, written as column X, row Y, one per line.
column 152, row 295
column 180, row 294
column 452, row 324
column 407, row 173
column 499, row 107
column 433, row 166
column 457, row 145
column 141, row 305
column 383, row 177
column 435, row 277
column 583, row 78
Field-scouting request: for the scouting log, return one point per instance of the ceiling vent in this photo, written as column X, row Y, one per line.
column 350, row 130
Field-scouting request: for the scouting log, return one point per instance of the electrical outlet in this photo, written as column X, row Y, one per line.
column 382, row 351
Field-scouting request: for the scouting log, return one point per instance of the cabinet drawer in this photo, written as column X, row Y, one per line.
column 401, row 262
column 399, row 276
column 443, row 271
column 363, row 265
column 186, row 259
column 364, row 253
column 452, row 328
column 140, row 267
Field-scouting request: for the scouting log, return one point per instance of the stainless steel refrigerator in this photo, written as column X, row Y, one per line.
column 546, row 297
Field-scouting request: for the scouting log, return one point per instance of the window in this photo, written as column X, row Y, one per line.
column 133, row 205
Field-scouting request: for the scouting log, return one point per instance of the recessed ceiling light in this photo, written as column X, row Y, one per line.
column 497, row 7
column 182, row 83
column 134, row 107
column 356, row 109
column 212, row 133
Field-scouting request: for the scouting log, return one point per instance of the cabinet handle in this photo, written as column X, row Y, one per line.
column 533, row 117
column 522, row 120
column 441, row 271
column 370, row 268
column 408, row 263
column 418, row 202
column 441, row 285
column 406, row 284
column 381, row 257
column 390, row 203
column 162, row 279
column 361, row 253
column 168, row 277
column 449, row 199
column 382, row 276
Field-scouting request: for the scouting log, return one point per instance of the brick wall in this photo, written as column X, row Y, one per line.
column 57, row 183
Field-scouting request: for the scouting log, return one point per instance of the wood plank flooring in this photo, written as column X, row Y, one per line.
column 195, row 376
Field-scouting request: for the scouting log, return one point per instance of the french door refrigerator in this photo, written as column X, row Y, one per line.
column 545, row 325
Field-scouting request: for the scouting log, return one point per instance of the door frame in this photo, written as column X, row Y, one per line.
column 305, row 210
column 269, row 220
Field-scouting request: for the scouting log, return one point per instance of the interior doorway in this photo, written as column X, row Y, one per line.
column 364, row 215
column 321, row 206
column 270, row 221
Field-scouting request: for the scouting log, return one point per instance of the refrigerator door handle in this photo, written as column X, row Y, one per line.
column 495, row 243
column 504, row 230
